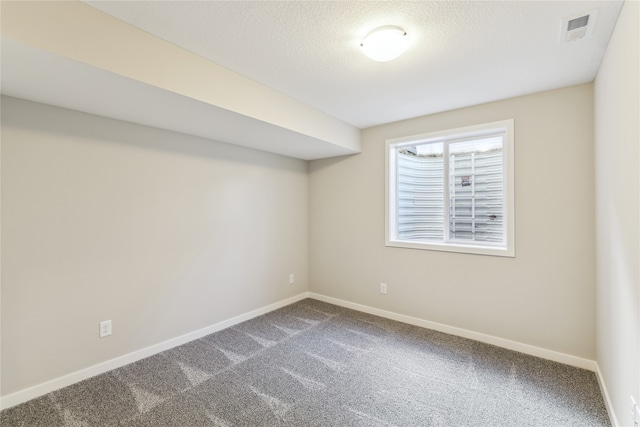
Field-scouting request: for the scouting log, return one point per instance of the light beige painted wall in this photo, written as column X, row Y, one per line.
column 160, row 232
column 617, row 152
column 544, row 297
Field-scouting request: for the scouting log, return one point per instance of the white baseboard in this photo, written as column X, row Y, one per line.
column 567, row 359
column 66, row 380
column 69, row 379
column 607, row 399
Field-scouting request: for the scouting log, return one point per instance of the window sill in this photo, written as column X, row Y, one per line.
column 454, row 247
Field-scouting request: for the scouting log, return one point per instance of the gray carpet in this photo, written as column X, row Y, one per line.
column 316, row 364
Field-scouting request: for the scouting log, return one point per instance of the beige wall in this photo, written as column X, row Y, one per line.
column 160, row 232
column 545, row 297
column 617, row 148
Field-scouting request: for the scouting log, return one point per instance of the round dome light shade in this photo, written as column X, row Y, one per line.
column 385, row 43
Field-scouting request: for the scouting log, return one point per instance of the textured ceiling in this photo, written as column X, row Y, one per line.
column 462, row 53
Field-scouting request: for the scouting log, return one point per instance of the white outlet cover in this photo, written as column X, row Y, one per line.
column 105, row 328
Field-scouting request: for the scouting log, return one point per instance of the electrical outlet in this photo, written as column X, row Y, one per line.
column 105, row 328
column 292, row 279
column 383, row 288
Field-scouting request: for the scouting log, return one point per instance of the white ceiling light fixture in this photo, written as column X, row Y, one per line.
column 385, row 43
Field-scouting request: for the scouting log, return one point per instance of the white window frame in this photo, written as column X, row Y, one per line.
column 505, row 249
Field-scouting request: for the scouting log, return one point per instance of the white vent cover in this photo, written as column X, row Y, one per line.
column 578, row 26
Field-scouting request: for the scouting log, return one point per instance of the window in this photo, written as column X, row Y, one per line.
column 452, row 190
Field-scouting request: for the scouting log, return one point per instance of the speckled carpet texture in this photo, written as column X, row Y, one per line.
column 316, row 364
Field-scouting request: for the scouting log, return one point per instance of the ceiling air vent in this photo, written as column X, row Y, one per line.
column 578, row 27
